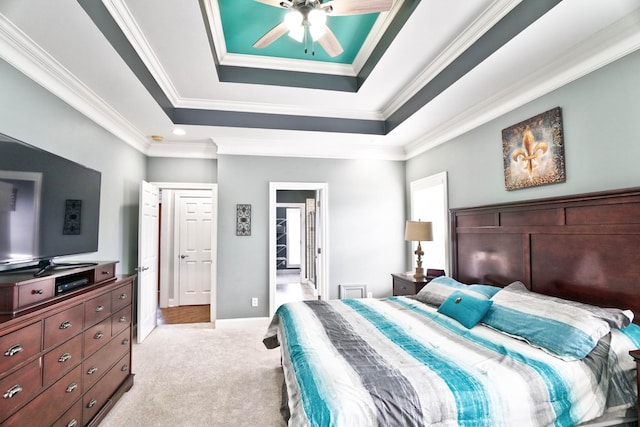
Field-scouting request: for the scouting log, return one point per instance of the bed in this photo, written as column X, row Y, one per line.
column 533, row 327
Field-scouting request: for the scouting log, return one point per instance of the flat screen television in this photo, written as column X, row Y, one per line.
column 49, row 207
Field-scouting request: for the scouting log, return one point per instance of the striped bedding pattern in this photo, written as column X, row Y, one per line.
column 398, row 362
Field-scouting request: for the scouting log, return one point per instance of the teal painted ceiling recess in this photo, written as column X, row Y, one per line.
column 246, row 21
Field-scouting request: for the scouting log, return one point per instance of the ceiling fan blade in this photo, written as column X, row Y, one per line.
column 277, row 3
column 356, row 7
column 330, row 43
column 271, row 36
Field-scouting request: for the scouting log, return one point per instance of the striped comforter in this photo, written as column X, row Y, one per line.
column 397, row 362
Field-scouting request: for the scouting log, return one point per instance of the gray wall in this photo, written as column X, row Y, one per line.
column 33, row 115
column 600, row 114
column 163, row 169
column 366, row 225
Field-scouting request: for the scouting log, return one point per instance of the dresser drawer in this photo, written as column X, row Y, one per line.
column 97, row 309
column 98, row 395
column 35, row 292
column 62, row 359
column 104, row 272
column 51, row 404
column 121, row 320
column 19, row 346
column 121, row 297
column 63, row 326
column 96, row 336
column 18, row 388
column 97, row 365
column 71, row 418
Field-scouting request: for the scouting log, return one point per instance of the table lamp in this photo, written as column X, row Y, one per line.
column 418, row 231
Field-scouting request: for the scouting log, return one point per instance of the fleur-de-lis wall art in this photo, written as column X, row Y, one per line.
column 533, row 151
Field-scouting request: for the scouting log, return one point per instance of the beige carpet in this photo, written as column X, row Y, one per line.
column 194, row 375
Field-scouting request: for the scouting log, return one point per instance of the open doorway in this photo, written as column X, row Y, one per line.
column 298, row 246
column 292, row 233
column 187, row 267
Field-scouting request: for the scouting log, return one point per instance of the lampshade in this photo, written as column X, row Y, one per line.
column 420, row 231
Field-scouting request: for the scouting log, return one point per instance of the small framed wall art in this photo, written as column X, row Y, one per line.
column 533, row 151
column 243, row 220
column 72, row 217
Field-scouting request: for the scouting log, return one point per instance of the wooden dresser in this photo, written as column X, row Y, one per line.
column 64, row 359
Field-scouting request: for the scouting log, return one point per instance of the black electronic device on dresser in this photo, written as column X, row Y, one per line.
column 406, row 284
column 49, row 207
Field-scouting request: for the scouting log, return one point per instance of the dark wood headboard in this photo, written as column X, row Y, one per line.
column 584, row 247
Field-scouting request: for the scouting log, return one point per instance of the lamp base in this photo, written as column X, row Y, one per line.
column 419, row 274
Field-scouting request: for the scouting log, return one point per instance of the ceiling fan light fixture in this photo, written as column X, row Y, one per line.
column 317, row 17
column 297, row 33
column 317, row 31
column 293, row 19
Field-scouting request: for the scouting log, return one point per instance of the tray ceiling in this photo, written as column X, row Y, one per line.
column 411, row 78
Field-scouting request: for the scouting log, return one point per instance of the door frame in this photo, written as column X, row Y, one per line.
column 169, row 248
column 322, row 235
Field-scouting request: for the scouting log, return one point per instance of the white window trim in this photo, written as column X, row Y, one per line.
column 432, row 181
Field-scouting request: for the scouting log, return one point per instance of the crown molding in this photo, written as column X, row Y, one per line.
column 612, row 43
column 184, row 149
column 26, row 56
column 327, row 149
column 236, row 106
column 123, row 17
column 490, row 17
column 385, row 19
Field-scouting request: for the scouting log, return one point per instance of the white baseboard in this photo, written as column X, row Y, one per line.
column 247, row 322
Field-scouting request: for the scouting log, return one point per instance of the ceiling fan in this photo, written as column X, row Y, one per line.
column 307, row 18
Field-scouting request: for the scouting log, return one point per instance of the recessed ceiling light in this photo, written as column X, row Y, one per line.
column 178, row 131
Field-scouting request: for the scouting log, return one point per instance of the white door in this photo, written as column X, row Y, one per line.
column 147, row 261
column 195, row 249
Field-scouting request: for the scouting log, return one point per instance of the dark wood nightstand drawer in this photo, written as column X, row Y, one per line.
column 404, row 284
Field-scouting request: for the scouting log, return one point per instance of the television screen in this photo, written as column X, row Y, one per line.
column 49, row 206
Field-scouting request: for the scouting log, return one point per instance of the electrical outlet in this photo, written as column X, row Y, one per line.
column 369, row 294
column 254, row 302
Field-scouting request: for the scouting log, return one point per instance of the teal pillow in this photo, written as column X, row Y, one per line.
column 465, row 308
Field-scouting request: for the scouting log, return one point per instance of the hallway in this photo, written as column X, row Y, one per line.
column 289, row 288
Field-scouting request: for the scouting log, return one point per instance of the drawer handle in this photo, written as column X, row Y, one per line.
column 124, row 368
column 92, row 370
column 64, row 357
column 73, row 423
column 12, row 391
column 98, row 336
column 65, row 325
column 13, row 350
column 105, row 272
column 99, row 308
column 71, row 387
column 37, row 292
column 123, row 296
column 92, row 403
column 122, row 319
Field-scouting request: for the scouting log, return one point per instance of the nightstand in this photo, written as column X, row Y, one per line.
column 406, row 284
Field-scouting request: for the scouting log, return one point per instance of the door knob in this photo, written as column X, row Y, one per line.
column 184, row 256
column 141, row 268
